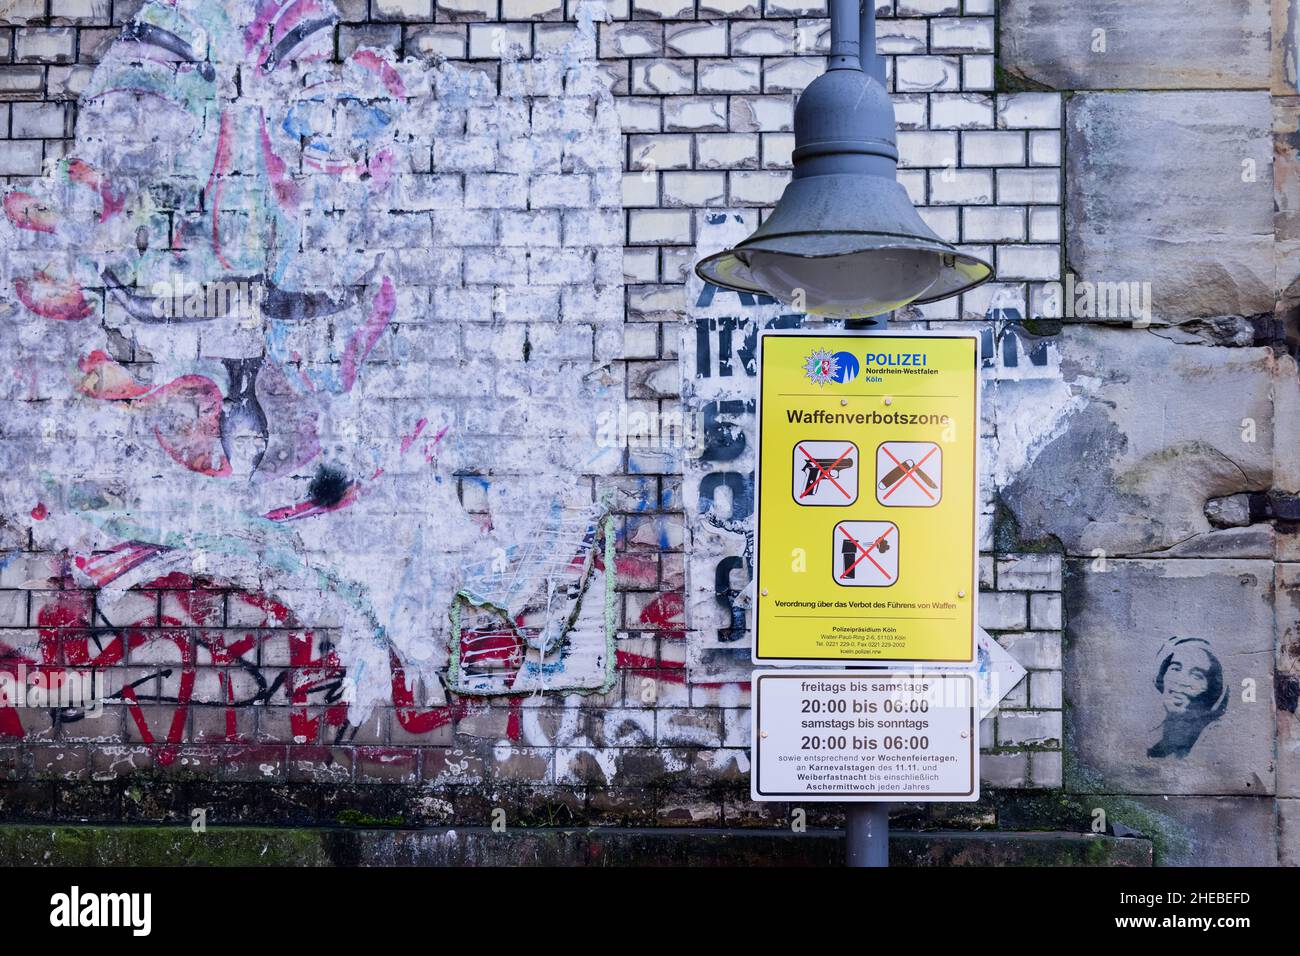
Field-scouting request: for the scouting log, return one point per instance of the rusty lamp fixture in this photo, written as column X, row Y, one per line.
column 844, row 241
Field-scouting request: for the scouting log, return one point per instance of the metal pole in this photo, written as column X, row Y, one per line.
column 866, row 835
column 866, row 831
column 873, row 64
column 845, row 53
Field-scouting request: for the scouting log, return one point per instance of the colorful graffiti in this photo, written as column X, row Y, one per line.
column 276, row 321
column 189, row 661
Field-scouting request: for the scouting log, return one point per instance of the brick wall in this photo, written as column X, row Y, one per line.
column 233, row 693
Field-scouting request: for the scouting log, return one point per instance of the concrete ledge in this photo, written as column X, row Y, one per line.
column 34, row 845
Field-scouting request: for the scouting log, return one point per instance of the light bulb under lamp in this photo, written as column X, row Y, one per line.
column 854, row 286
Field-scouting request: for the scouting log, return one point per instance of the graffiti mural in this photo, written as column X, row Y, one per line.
column 189, row 661
column 332, row 331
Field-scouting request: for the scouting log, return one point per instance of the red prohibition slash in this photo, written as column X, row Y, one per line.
column 909, row 474
column 826, row 472
column 866, row 553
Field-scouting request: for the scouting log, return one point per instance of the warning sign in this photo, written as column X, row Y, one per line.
column 864, row 736
column 866, row 497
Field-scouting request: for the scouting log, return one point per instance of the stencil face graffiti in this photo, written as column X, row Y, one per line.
column 1192, row 691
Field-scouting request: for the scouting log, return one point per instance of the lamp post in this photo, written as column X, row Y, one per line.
column 844, row 240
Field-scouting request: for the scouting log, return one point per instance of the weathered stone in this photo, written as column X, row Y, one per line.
column 1285, row 49
column 1256, row 541
column 1168, row 677
column 1286, row 178
column 1286, row 425
column 1202, row 831
column 1230, row 511
column 1122, row 459
column 1231, row 331
column 1288, row 735
column 1117, row 44
column 1172, row 189
column 1289, row 832
column 1286, row 685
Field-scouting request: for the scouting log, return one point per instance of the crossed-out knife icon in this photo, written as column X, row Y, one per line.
column 906, row 465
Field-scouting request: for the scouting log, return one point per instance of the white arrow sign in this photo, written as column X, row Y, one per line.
column 997, row 672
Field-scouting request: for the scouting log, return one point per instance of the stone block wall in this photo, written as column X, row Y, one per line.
column 1171, row 489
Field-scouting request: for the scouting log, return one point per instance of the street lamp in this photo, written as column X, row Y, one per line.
column 844, row 241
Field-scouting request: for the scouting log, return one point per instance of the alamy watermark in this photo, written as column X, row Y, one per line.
column 75, row 909
column 1073, row 299
column 56, row 688
column 669, row 431
column 182, row 298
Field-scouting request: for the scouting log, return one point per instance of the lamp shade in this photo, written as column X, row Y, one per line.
column 844, row 240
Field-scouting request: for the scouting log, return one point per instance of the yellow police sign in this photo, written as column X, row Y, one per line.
column 866, row 494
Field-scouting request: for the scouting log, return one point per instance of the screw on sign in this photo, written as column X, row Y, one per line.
column 867, row 553
column 909, row 474
column 825, row 473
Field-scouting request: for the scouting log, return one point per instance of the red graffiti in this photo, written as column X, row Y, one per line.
column 183, row 634
column 187, row 423
column 29, row 212
column 53, row 298
column 187, row 639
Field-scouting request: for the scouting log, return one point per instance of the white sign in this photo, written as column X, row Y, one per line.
column 864, row 736
column 997, row 671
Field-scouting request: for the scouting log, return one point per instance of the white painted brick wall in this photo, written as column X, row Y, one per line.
column 20, row 158
column 694, row 189
column 1029, row 186
column 927, row 73
column 961, row 187
column 993, row 224
column 977, row 72
column 961, row 111
column 927, row 148
column 1029, row 572
column 696, row 113
column 1029, row 111
column 1044, row 224
column 402, row 9
column 992, row 148
column 728, row 150
column 46, row 45
column 1029, row 727
column 962, row 35
column 1003, row 611
column 1028, row 262
column 705, row 97
column 1045, row 148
